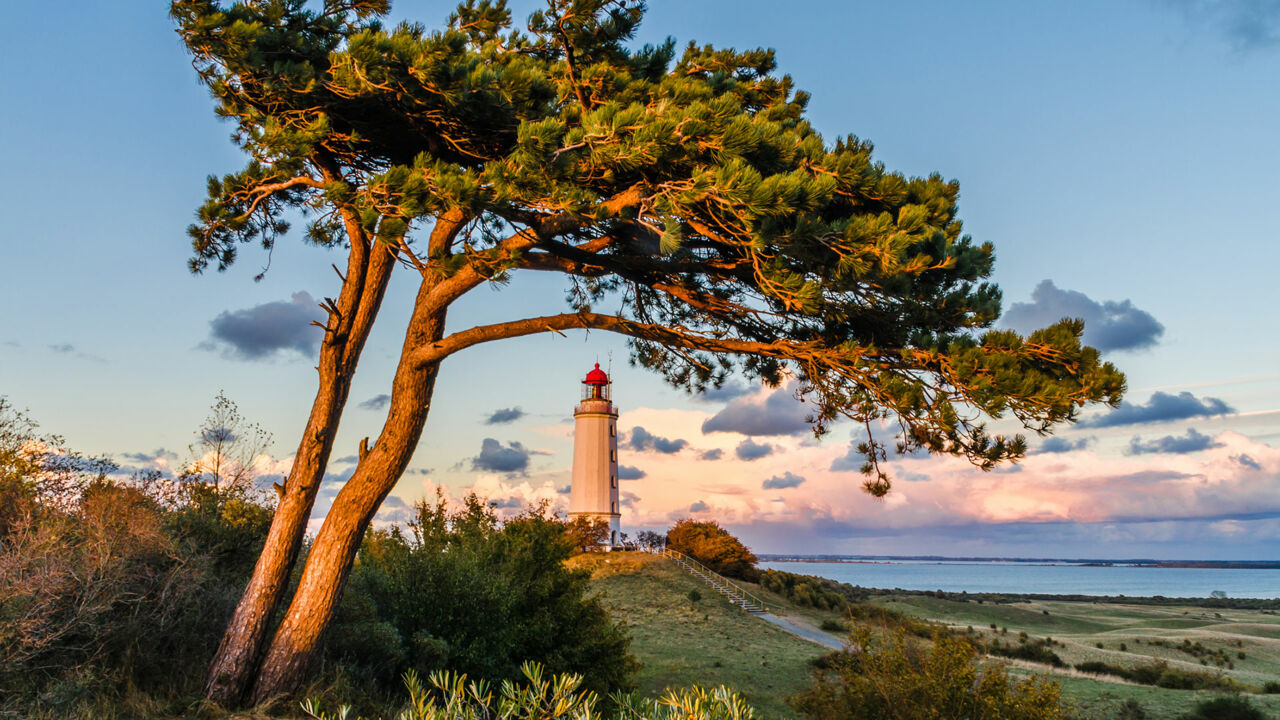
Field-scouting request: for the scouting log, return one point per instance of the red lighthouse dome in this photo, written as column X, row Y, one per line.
column 596, row 377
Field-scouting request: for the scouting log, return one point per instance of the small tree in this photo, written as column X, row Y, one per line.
column 713, row 546
column 650, row 539
column 227, row 449
column 585, row 534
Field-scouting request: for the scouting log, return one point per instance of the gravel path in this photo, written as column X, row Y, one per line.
column 809, row 634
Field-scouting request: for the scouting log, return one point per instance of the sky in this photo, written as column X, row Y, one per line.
column 1121, row 155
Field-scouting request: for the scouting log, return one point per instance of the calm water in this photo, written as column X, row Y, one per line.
column 1051, row 579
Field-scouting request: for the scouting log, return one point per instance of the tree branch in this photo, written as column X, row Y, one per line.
column 437, row 351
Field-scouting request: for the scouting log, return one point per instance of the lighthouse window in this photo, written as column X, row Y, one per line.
column 613, row 456
column 615, row 507
column 613, row 481
column 613, row 430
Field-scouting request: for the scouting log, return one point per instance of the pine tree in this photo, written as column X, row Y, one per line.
column 685, row 196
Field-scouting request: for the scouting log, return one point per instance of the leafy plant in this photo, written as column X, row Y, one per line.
column 892, row 675
column 463, row 591
column 452, row 696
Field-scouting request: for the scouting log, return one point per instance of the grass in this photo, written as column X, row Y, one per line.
column 709, row 642
column 1146, row 631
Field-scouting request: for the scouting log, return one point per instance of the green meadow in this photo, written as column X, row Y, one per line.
column 680, row 641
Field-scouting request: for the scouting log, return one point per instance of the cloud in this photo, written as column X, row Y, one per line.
column 1247, row 461
column 1053, row 445
column 641, row 439
column 1247, row 24
column 853, row 460
column 377, row 402
column 160, row 459
column 1108, row 325
column 394, row 510
column 1161, row 407
column 779, row 414
column 268, row 329
column 626, row 472
column 748, row 450
column 699, row 506
column 1191, row 442
column 69, row 349
column 724, row 393
column 785, row 480
column 711, row 455
column 503, row 416
column 493, row 457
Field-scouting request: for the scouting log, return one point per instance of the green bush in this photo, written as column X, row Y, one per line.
column 892, row 675
column 1160, row 674
column 1131, row 710
column 832, row 626
column 1227, row 707
column 809, row 590
column 1036, row 651
column 462, row 591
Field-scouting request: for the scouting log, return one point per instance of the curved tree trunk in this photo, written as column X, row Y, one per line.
column 295, row 645
column 350, row 320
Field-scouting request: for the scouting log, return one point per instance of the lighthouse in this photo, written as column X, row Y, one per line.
column 594, row 493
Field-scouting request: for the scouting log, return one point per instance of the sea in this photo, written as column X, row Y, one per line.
column 1042, row 577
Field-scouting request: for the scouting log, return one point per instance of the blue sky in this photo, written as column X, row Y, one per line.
column 1121, row 156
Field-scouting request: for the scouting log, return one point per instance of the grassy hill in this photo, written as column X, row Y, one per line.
column 709, row 642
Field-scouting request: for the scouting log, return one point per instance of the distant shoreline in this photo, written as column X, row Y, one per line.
column 1082, row 562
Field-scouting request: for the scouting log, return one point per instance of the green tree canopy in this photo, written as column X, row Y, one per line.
column 685, row 192
column 685, row 197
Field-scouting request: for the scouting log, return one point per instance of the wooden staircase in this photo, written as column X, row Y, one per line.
column 731, row 591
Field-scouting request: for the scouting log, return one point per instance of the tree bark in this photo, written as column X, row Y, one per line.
column 297, row 641
column 351, row 317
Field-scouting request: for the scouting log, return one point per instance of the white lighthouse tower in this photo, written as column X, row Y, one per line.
column 594, row 493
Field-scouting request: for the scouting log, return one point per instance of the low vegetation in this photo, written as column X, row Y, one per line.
column 458, row 590
column 893, row 675
column 452, row 696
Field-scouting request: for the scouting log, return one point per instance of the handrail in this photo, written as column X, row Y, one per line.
column 714, row 578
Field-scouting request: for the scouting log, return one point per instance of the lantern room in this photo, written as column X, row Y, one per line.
column 596, row 386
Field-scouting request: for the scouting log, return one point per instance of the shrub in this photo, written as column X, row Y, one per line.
column 1037, row 651
column 830, row 625
column 713, row 546
column 1131, row 710
column 106, row 585
column 1227, row 707
column 883, row 675
column 463, row 591
column 694, row 595
column 1161, row 674
column 809, row 590
column 1271, row 687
